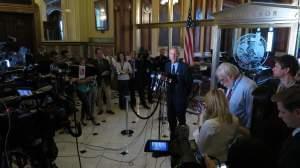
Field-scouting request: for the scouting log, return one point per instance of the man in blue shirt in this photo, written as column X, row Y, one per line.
column 239, row 92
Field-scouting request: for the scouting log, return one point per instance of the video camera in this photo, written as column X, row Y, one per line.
column 73, row 70
column 32, row 112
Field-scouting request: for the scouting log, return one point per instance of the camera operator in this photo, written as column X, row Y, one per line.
column 177, row 92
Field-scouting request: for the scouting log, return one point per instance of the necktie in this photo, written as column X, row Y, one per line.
column 173, row 69
column 229, row 94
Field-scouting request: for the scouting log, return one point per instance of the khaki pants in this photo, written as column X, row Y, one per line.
column 104, row 88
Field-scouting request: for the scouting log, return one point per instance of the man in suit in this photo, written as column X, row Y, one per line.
column 288, row 103
column 142, row 69
column 178, row 91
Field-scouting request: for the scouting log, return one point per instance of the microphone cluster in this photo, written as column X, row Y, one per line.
column 160, row 81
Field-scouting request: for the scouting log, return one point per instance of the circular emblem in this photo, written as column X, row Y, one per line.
column 250, row 51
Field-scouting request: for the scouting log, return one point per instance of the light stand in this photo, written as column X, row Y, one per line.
column 127, row 131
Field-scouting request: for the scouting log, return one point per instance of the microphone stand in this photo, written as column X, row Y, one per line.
column 162, row 118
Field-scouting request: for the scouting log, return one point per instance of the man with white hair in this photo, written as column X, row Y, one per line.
column 239, row 91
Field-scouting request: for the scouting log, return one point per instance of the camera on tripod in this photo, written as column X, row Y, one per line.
column 32, row 111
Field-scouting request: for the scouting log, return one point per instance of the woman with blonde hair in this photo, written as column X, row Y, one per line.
column 219, row 128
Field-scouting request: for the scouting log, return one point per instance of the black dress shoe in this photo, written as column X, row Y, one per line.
column 100, row 112
column 110, row 112
column 95, row 123
column 83, row 123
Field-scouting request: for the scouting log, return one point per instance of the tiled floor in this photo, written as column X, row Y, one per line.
column 104, row 149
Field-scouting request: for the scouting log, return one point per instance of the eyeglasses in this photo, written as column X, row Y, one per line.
column 221, row 79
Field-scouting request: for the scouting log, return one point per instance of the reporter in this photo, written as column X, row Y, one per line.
column 288, row 103
column 219, row 128
column 239, row 90
column 124, row 69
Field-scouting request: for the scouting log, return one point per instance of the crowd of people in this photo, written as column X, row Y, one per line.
column 228, row 133
column 229, row 112
column 131, row 71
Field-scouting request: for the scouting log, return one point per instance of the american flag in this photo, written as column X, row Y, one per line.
column 189, row 40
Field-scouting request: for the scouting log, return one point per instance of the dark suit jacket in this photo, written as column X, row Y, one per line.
column 160, row 62
column 181, row 87
column 101, row 67
column 290, row 153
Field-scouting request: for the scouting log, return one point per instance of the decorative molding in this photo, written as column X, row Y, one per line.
column 245, row 15
column 16, row 8
column 208, row 22
column 258, row 13
column 62, row 43
column 78, row 49
column 101, row 40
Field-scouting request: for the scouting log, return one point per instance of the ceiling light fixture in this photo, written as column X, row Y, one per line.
column 164, row 2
